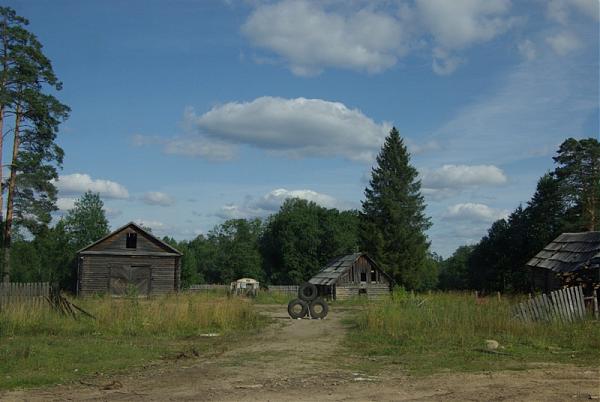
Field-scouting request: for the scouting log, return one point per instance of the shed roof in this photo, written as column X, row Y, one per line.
column 170, row 250
column 569, row 252
column 338, row 266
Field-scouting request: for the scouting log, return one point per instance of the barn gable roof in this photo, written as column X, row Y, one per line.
column 569, row 252
column 339, row 266
column 167, row 247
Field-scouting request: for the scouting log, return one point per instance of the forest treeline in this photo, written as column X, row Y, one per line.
column 566, row 199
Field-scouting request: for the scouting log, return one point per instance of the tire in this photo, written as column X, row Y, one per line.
column 307, row 292
column 297, row 314
column 315, row 312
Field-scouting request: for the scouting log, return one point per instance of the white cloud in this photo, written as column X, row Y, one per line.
column 449, row 180
column 157, row 227
column 310, row 38
column 474, row 212
column 527, row 49
column 158, row 198
column 463, row 176
column 295, row 127
column 270, row 203
column 457, row 24
column 78, row 183
column 564, row 43
column 64, row 204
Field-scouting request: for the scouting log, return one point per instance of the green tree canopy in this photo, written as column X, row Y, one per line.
column 393, row 221
column 86, row 222
column 302, row 237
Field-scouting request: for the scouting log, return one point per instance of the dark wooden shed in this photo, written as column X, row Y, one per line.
column 128, row 259
column 352, row 275
column 571, row 257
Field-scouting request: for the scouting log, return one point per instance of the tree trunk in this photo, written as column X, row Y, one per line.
column 10, row 197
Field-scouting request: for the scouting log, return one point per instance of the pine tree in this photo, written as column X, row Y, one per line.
column 578, row 172
column 26, row 73
column 393, row 220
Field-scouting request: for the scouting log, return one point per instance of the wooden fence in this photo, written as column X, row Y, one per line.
column 285, row 289
column 564, row 305
column 206, row 287
column 23, row 292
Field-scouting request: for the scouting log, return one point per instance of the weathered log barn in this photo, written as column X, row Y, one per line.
column 352, row 275
column 128, row 259
column 570, row 258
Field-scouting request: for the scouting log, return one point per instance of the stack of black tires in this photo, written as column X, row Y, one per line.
column 308, row 302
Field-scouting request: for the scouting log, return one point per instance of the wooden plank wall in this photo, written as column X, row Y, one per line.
column 564, row 305
column 23, row 292
column 117, row 242
column 362, row 265
column 95, row 272
column 374, row 291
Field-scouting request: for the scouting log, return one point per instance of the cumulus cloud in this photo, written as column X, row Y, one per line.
column 295, row 127
column 564, row 43
column 459, row 23
column 310, row 38
column 473, row 212
column 78, row 183
column 449, row 180
column 270, row 203
column 158, row 198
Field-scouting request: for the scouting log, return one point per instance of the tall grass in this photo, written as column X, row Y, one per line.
column 448, row 331
column 168, row 316
column 40, row 346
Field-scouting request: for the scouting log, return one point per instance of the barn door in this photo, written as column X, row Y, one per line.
column 127, row 278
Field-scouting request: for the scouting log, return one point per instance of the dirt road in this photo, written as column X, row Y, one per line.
column 296, row 360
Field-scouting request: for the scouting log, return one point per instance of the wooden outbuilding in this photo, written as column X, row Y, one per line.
column 352, row 275
column 128, row 260
column 570, row 259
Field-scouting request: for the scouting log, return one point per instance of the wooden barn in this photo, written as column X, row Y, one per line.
column 128, row 259
column 570, row 259
column 352, row 275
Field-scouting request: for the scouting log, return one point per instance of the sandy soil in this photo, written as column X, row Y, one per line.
column 296, row 360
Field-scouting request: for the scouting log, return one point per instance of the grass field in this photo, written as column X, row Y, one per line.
column 39, row 346
column 447, row 331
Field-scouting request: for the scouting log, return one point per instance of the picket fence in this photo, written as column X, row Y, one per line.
column 564, row 305
column 23, row 292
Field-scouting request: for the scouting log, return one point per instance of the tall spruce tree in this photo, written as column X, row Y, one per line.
column 393, row 220
column 25, row 78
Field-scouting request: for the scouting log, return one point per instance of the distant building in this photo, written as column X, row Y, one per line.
column 570, row 259
column 129, row 260
column 352, row 275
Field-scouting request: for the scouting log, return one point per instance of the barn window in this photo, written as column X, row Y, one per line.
column 131, row 241
column 373, row 275
column 363, row 276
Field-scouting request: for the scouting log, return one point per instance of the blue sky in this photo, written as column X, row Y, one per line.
column 186, row 113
